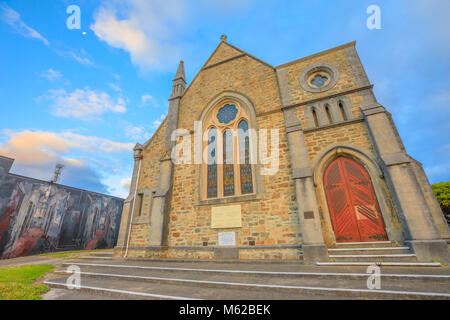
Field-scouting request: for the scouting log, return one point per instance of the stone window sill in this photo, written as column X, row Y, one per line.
column 140, row 220
column 241, row 198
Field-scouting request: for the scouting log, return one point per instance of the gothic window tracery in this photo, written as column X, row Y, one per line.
column 228, row 171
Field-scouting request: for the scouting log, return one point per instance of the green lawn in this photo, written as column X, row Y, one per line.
column 17, row 283
column 63, row 254
column 68, row 254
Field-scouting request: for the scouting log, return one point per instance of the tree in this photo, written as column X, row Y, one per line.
column 442, row 192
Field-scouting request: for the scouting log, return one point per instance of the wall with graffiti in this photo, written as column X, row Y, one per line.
column 38, row 216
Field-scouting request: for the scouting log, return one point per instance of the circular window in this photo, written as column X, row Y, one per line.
column 227, row 113
column 319, row 77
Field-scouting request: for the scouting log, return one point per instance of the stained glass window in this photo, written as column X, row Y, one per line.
column 319, row 81
column 212, row 164
column 227, row 113
column 228, row 164
column 244, row 155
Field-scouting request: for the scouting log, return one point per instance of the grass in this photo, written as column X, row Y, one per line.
column 66, row 254
column 17, row 283
column 63, row 254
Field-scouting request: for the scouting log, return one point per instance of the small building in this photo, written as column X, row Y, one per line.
column 40, row 216
column 261, row 162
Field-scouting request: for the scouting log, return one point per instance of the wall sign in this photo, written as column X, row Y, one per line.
column 227, row 238
column 226, row 217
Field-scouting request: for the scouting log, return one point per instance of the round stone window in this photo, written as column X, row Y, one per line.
column 227, row 113
column 319, row 77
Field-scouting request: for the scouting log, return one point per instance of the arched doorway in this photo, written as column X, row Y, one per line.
column 354, row 209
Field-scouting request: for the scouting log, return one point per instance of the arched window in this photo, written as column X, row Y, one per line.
column 212, row 164
column 342, row 110
column 244, row 158
column 315, row 119
column 327, row 111
column 228, row 171
column 228, row 164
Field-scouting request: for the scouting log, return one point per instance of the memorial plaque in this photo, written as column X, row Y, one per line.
column 309, row 214
column 226, row 217
column 227, row 238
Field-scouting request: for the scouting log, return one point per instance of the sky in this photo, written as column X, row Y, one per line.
column 84, row 97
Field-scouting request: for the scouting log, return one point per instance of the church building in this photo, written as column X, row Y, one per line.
column 291, row 162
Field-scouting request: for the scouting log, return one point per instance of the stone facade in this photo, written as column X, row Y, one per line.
column 287, row 215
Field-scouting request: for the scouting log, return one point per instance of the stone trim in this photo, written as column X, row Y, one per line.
column 211, row 248
column 224, row 61
column 357, row 69
column 232, row 199
column 324, row 67
column 334, row 95
column 251, row 56
column 139, row 220
column 338, row 124
column 316, row 54
column 267, row 113
column 283, row 87
column 395, row 159
column 372, row 109
column 301, row 173
column 294, row 128
column 145, row 145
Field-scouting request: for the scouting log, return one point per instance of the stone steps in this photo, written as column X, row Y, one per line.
column 377, row 252
column 369, row 251
column 375, row 258
column 149, row 280
column 372, row 244
column 236, row 274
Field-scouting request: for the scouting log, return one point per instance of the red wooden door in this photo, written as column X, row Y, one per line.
column 353, row 207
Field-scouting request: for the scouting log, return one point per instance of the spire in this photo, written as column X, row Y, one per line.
column 180, row 72
column 179, row 82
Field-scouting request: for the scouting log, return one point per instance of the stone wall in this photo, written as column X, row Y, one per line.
column 273, row 221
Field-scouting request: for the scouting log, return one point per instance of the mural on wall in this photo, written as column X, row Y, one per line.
column 38, row 216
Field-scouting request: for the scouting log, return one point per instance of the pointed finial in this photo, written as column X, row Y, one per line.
column 180, row 72
column 223, row 37
column 179, row 82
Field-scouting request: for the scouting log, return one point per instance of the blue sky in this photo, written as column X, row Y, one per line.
column 85, row 99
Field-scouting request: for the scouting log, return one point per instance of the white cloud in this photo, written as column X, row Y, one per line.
column 115, row 87
column 52, row 75
column 37, row 152
column 41, row 146
column 144, row 29
column 79, row 56
column 137, row 133
column 95, row 144
column 12, row 18
column 158, row 122
column 126, row 183
column 148, row 99
column 84, row 103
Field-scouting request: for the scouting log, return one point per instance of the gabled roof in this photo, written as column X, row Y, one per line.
column 220, row 56
column 234, row 53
